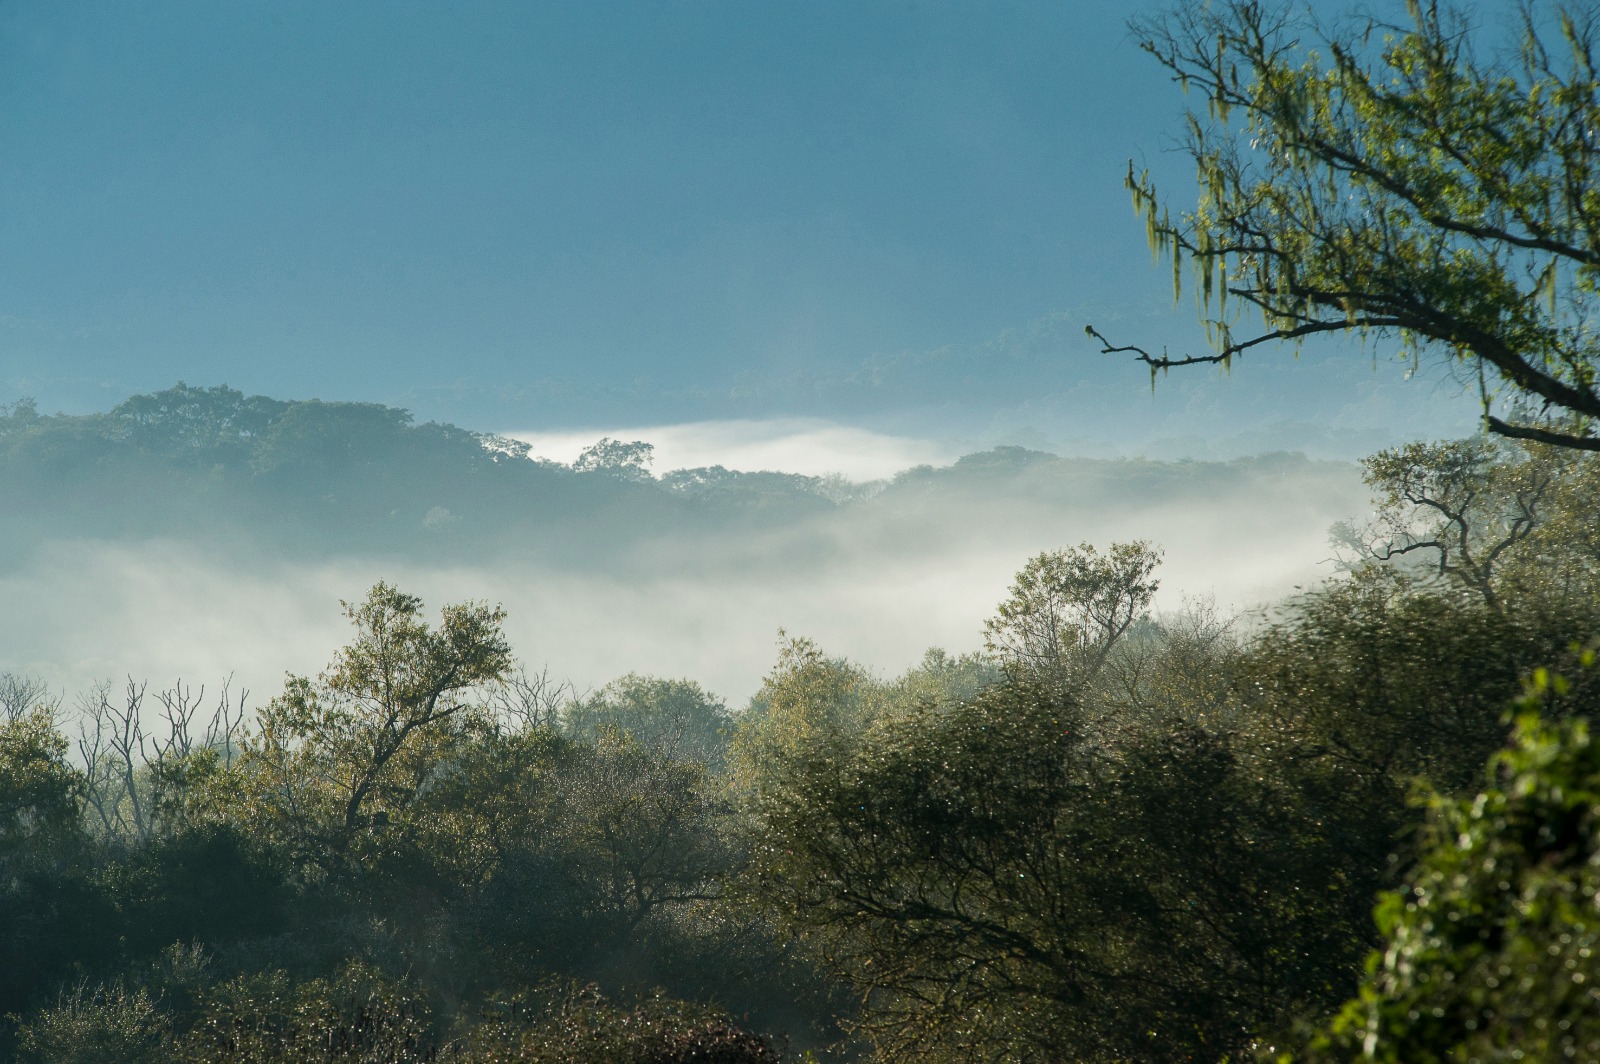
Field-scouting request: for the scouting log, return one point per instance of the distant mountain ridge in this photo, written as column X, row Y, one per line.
column 336, row 477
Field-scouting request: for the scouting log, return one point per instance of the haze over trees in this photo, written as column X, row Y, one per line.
column 1118, row 833
column 112, row 520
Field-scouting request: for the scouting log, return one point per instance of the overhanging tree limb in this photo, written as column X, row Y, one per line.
column 1384, row 181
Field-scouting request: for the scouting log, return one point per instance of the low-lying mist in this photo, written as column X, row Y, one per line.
column 603, row 575
column 809, row 446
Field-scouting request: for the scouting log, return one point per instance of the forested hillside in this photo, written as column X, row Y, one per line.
column 327, row 477
column 238, row 520
column 1113, row 834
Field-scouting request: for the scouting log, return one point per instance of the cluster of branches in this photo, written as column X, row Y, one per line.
column 131, row 773
column 1389, row 180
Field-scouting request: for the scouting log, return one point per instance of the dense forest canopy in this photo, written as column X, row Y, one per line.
column 1359, row 825
column 1115, row 833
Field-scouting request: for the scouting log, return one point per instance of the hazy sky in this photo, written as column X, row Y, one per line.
column 545, row 217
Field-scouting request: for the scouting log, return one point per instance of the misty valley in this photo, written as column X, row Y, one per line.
column 692, row 533
column 243, row 521
column 1030, row 758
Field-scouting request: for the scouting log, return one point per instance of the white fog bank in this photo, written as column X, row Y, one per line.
column 878, row 583
column 810, row 446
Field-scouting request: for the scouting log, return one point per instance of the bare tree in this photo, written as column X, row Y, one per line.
column 525, row 700
column 110, row 741
column 181, row 709
column 1175, row 666
column 128, row 769
column 21, row 695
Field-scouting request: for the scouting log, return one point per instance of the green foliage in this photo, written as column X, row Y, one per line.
column 578, row 1025
column 676, row 717
column 628, row 461
column 357, row 1017
column 39, row 793
column 1068, row 608
column 204, row 426
column 54, row 922
column 314, row 439
column 52, row 914
column 598, row 859
column 208, row 884
column 637, row 831
column 1493, row 518
column 338, row 757
column 214, row 465
column 1162, row 847
column 1571, row 520
column 1386, row 683
column 766, row 489
column 942, row 679
column 808, row 701
column 335, row 480
column 493, row 799
column 1001, row 878
column 109, row 1023
column 1492, row 947
column 1394, row 181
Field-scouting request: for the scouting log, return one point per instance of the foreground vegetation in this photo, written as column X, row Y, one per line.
column 1109, row 837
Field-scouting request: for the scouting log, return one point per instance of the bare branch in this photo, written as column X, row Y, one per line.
column 21, row 695
column 1538, row 435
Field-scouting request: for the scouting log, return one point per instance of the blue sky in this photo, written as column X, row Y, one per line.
column 540, row 217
